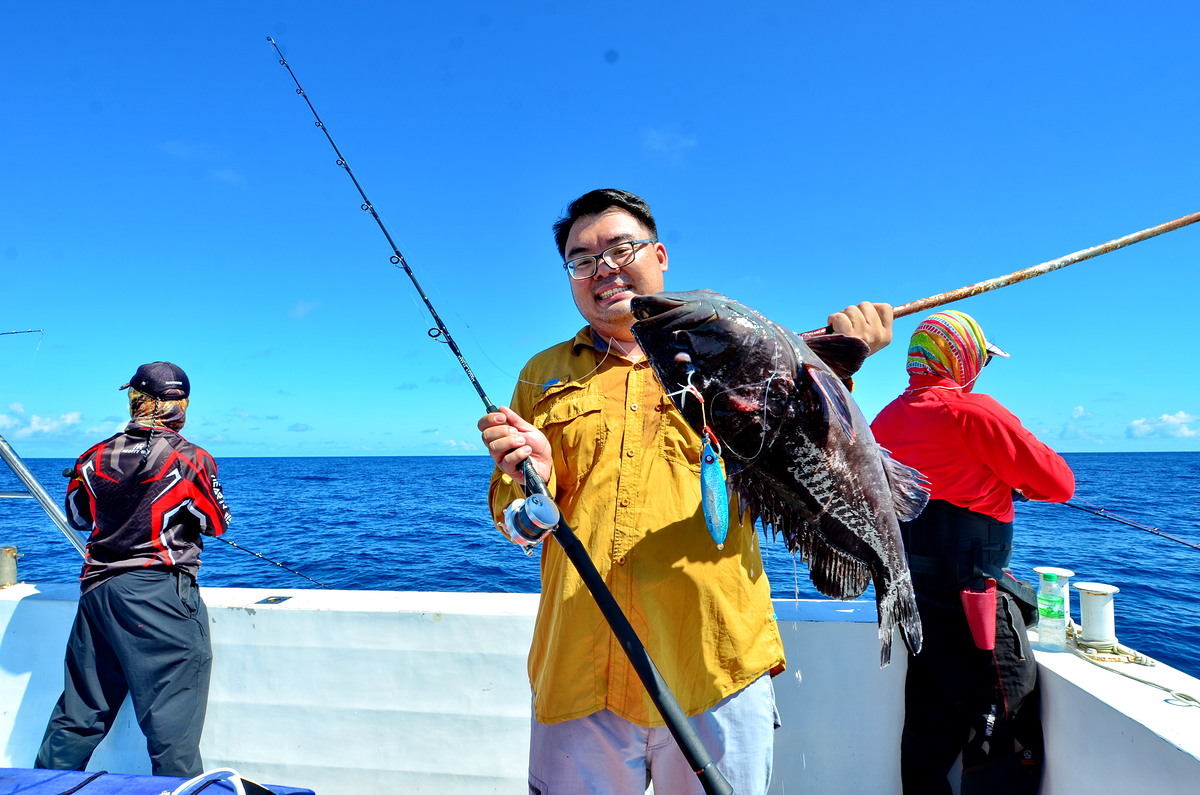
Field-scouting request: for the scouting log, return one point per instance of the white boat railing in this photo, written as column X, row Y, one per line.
column 36, row 491
column 350, row 692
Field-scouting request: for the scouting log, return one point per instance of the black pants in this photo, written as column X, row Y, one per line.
column 985, row 704
column 142, row 633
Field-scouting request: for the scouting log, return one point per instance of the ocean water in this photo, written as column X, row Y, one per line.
column 421, row 524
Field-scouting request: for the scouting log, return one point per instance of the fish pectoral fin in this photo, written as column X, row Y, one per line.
column 834, row 400
column 844, row 355
column 909, row 488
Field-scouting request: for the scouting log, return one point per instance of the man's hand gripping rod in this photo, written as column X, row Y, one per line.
column 538, row 515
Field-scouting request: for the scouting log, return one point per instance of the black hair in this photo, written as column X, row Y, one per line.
column 597, row 201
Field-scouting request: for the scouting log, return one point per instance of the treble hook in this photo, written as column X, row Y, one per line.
column 688, row 389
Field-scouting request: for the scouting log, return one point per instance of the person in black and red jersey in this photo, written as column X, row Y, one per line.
column 147, row 495
column 982, row 700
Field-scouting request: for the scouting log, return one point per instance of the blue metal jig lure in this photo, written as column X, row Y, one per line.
column 713, row 493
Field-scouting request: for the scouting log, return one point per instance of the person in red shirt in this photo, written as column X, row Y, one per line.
column 976, row 455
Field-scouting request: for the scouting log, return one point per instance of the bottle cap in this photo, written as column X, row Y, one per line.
column 1049, row 576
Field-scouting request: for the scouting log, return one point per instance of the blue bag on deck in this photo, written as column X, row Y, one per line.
column 20, row 781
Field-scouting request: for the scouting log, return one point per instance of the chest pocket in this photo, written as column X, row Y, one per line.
column 570, row 415
column 677, row 441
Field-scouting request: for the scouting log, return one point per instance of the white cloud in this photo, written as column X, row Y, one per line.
column 454, row 445
column 106, row 430
column 1079, row 413
column 299, row 427
column 7, row 422
column 1169, row 426
column 40, row 424
column 16, row 408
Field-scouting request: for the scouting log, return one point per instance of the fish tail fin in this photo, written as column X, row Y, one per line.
column 898, row 610
column 904, row 613
column 910, row 489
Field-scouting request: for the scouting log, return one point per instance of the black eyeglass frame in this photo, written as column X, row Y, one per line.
column 572, row 265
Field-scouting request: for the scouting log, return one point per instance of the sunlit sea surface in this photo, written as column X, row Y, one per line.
column 421, row 524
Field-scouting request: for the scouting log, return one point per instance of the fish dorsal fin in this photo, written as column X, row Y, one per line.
column 833, row 400
column 843, row 354
column 909, row 488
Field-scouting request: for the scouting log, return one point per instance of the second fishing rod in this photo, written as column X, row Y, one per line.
column 539, row 516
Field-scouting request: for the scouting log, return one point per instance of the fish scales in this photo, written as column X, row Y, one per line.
column 798, row 452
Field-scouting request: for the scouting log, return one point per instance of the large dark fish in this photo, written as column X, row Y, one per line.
column 799, row 453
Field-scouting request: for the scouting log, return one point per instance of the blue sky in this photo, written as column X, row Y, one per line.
column 166, row 196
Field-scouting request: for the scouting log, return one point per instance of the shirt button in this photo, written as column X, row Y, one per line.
column 621, row 561
column 629, row 453
column 625, row 502
column 633, row 407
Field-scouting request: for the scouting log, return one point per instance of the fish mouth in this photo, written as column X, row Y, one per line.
column 647, row 306
column 671, row 309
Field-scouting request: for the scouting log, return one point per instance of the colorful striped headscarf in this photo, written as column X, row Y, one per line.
column 950, row 345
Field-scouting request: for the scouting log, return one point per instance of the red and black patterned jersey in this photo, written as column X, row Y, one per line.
column 144, row 509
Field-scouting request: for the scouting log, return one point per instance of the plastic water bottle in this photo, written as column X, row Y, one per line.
column 1052, row 616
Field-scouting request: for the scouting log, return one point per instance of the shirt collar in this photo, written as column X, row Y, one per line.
column 921, row 381
column 587, row 337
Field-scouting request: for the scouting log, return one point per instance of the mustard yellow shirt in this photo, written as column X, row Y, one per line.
column 627, row 479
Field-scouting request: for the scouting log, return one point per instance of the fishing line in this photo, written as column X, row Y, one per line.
column 28, row 370
column 397, row 258
column 766, row 384
column 1106, row 514
column 275, row 562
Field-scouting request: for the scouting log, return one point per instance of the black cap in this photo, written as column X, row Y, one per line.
column 162, row 380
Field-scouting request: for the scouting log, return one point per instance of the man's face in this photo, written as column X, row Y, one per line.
column 603, row 300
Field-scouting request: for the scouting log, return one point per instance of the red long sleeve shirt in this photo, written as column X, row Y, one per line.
column 973, row 450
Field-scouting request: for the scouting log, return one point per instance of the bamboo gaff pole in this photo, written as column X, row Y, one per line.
column 1036, row 270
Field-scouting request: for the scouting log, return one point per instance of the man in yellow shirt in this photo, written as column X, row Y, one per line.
column 623, row 466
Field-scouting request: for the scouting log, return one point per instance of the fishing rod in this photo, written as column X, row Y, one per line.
column 275, row 562
column 1036, row 270
column 1098, row 511
column 539, row 515
column 26, row 331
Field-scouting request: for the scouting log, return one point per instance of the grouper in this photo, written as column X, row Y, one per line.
column 798, row 452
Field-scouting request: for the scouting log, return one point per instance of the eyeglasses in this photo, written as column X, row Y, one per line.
column 616, row 257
